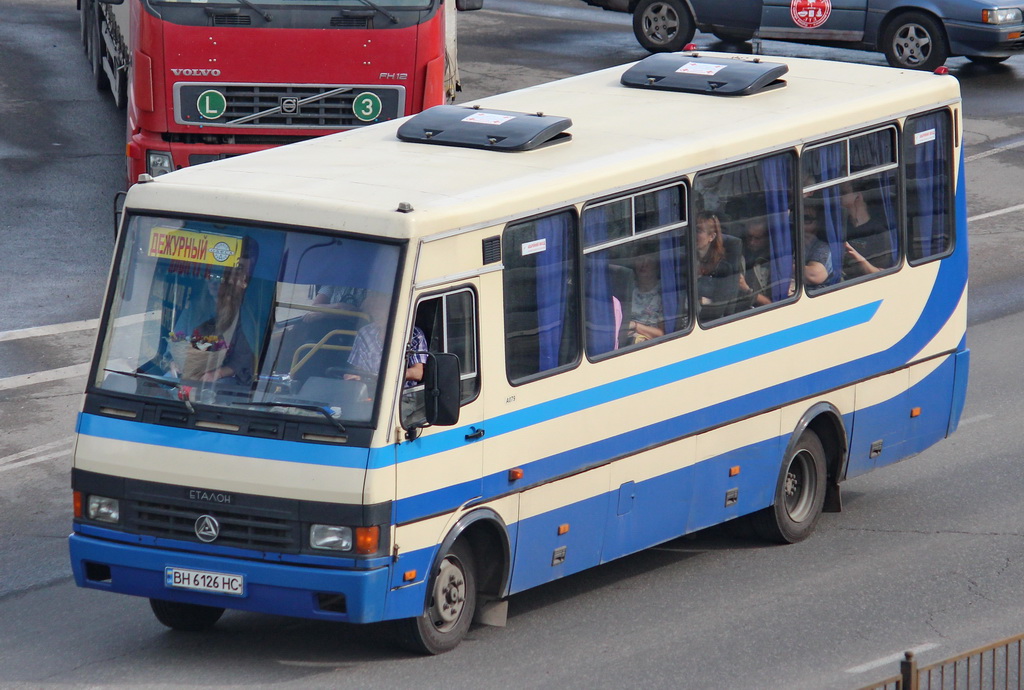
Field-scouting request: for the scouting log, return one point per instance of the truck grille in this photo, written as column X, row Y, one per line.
column 243, row 528
column 284, row 106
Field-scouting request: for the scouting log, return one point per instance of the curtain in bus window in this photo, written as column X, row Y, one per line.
column 602, row 332
column 551, row 287
column 870, row 151
column 777, row 197
column 672, row 253
column 832, row 159
column 928, row 184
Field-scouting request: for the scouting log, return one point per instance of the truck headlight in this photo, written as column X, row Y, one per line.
column 330, row 537
column 1008, row 16
column 103, row 509
column 159, row 162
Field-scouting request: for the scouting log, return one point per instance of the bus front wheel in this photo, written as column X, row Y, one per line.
column 187, row 617
column 450, row 606
column 799, row 495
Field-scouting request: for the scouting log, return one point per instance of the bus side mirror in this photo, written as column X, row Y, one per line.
column 467, row 5
column 441, row 383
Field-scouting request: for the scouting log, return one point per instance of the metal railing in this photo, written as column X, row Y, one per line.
column 998, row 666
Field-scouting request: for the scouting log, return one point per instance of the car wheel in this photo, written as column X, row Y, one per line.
column 914, row 40
column 663, row 26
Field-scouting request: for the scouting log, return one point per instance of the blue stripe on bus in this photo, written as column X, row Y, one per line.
column 669, row 374
column 215, row 442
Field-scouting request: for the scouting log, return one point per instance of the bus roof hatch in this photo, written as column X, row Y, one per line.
column 482, row 128
column 718, row 76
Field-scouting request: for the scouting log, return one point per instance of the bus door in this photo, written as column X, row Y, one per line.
column 814, row 20
column 439, row 468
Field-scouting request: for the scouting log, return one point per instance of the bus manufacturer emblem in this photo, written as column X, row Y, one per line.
column 207, row 528
column 211, row 104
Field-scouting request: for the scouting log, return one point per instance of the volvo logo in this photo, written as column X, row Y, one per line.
column 207, row 528
column 200, row 72
column 289, row 105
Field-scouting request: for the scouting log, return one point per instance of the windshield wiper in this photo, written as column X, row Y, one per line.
column 322, row 409
column 256, row 8
column 371, row 4
column 172, row 384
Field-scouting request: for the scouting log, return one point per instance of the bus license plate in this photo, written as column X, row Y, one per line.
column 205, row 581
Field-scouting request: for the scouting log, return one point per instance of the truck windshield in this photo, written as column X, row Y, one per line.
column 242, row 316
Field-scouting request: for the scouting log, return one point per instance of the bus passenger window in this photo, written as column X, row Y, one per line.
column 928, row 157
column 851, row 192
column 635, row 269
column 540, row 291
column 744, row 237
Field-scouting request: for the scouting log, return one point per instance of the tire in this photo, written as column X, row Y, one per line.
column 733, row 36
column 986, row 60
column 186, row 617
column 96, row 52
column 914, row 40
column 121, row 92
column 663, row 26
column 799, row 495
column 450, row 607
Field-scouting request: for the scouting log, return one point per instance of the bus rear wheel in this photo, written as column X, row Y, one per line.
column 186, row 617
column 799, row 495
column 450, row 607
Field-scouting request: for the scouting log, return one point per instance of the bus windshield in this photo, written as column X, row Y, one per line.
column 249, row 318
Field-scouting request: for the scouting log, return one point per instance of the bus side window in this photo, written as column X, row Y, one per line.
column 449, row 324
column 744, row 236
column 927, row 155
column 541, row 295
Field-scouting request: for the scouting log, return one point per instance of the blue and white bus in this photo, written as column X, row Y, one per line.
column 405, row 372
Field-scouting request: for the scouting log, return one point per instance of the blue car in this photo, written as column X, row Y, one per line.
column 913, row 34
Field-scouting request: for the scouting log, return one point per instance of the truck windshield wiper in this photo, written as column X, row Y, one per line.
column 172, row 384
column 371, row 4
column 322, row 409
column 256, row 8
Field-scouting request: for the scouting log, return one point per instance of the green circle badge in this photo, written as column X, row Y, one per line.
column 211, row 104
column 367, row 106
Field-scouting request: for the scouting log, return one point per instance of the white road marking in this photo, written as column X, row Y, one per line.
column 992, row 152
column 53, row 329
column 992, row 214
column 57, row 449
column 47, row 376
column 892, row 658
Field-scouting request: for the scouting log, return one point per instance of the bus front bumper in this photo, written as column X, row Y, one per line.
column 355, row 596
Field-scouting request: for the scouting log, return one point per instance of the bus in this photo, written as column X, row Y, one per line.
column 404, row 372
column 207, row 80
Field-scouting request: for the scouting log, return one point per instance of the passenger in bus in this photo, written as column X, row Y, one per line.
column 868, row 247
column 227, row 352
column 817, row 255
column 368, row 347
column 755, row 281
column 719, row 258
column 646, row 315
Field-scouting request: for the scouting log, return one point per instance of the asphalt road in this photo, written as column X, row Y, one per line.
column 927, row 554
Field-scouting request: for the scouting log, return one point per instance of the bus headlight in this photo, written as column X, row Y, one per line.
column 362, row 540
column 330, row 537
column 103, row 509
column 159, row 162
column 1009, row 16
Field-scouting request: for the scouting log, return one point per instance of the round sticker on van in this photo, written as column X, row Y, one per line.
column 810, row 14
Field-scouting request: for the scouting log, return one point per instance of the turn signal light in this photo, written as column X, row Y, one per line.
column 367, row 539
column 77, row 502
